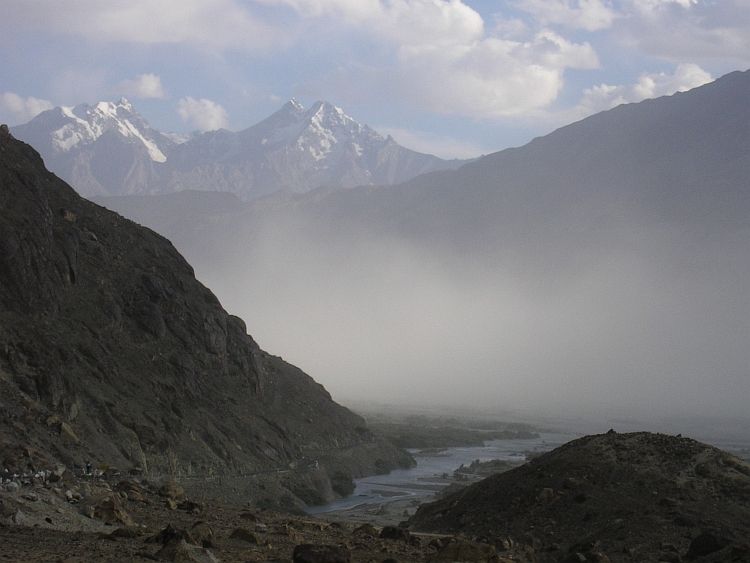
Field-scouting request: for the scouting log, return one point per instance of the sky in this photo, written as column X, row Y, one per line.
column 455, row 78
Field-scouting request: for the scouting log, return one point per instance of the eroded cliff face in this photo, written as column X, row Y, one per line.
column 112, row 351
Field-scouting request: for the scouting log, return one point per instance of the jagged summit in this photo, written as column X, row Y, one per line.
column 321, row 131
column 85, row 124
column 109, row 149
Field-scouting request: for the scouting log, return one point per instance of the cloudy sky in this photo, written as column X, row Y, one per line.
column 456, row 78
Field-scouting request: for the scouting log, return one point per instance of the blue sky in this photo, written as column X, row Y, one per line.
column 456, row 78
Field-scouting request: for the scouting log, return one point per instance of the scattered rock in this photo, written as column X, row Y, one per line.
column 462, row 550
column 183, row 552
column 202, row 534
column 171, row 490
column 244, row 535
column 546, row 495
column 310, row 553
column 17, row 518
column 170, row 534
column 394, row 533
column 367, row 530
column 192, row 506
column 107, row 507
column 128, row 532
column 704, row 544
column 251, row 516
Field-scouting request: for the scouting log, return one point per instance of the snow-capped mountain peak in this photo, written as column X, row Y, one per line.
column 85, row 124
column 99, row 149
column 320, row 131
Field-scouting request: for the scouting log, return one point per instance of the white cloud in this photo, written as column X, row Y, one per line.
column 653, row 5
column 447, row 62
column 681, row 30
column 144, row 86
column 653, row 85
column 493, row 77
column 203, row 114
column 591, row 15
column 216, row 24
column 23, row 110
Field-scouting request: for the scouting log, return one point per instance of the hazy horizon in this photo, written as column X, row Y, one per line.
column 648, row 327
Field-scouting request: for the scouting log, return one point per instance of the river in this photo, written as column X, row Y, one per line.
column 389, row 498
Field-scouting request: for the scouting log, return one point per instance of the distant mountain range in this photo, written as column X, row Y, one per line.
column 110, row 149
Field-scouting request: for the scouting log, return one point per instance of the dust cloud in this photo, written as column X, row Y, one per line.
column 656, row 325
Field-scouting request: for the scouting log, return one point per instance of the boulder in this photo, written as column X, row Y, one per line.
column 310, row 553
column 462, row 550
column 107, row 507
column 183, row 552
column 244, row 535
column 704, row 544
column 394, row 533
column 17, row 518
column 202, row 534
column 366, row 530
column 171, row 490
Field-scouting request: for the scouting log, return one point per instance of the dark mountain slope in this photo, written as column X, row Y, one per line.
column 682, row 159
column 630, row 497
column 110, row 350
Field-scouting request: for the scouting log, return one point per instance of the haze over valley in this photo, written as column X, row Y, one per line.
column 601, row 270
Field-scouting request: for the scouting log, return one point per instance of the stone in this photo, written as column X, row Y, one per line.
column 171, row 490
column 107, row 507
column 394, row 533
column 191, row 506
column 202, row 534
column 704, row 544
column 545, row 495
column 247, row 515
column 571, row 483
column 183, row 552
column 170, row 534
column 461, row 550
column 128, row 532
column 18, row 518
column 310, row 553
column 244, row 535
column 366, row 530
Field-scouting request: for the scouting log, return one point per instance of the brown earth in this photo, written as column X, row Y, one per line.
column 608, row 498
column 616, row 497
column 86, row 528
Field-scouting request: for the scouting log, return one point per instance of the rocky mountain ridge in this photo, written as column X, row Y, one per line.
column 112, row 352
column 609, row 498
column 110, row 149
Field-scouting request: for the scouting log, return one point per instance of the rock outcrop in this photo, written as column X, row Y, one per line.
column 611, row 497
column 112, row 352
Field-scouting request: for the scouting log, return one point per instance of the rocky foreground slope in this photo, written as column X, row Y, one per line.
column 112, row 352
column 616, row 497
